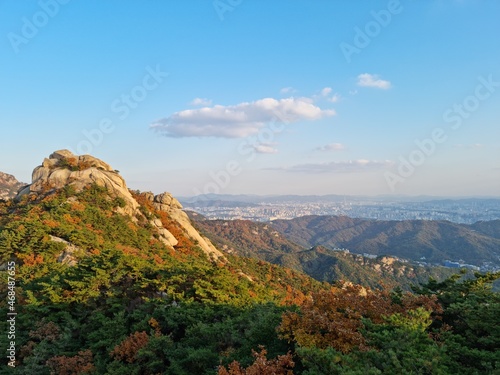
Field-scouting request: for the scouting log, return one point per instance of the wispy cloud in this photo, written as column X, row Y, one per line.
column 265, row 148
column 201, row 102
column 326, row 94
column 334, row 98
column 287, row 90
column 349, row 166
column 373, row 80
column 331, row 147
column 326, row 91
column 240, row 120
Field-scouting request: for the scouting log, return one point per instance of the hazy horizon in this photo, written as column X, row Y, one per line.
column 346, row 98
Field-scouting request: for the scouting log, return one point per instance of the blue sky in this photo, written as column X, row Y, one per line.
column 255, row 97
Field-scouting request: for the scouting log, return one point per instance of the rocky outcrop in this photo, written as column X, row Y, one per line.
column 165, row 236
column 167, row 203
column 63, row 168
column 68, row 255
column 9, row 186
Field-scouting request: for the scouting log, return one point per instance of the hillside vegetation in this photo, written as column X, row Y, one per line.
column 108, row 281
column 264, row 241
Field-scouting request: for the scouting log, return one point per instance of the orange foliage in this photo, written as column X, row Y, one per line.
column 334, row 318
column 78, row 364
column 293, row 296
column 158, row 259
column 155, row 325
column 128, row 348
column 31, row 260
column 77, row 206
column 129, row 250
column 84, row 165
column 50, row 223
column 70, row 219
column 185, row 243
column 143, row 201
column 282, row 365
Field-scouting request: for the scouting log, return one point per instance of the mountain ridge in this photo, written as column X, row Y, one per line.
column 434, row 241
column 9, row 186
column 263, row 241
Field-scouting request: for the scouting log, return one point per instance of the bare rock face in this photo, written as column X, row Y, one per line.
column 68, row 254
column 63, row 168
column 165, row 236
column 167, row 203
column 9, row 186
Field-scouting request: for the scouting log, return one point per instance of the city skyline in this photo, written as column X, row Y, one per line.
column 365, row 98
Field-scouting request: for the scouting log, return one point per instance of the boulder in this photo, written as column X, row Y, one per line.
column 166, row 199
column 167, row 203
column 63, row 168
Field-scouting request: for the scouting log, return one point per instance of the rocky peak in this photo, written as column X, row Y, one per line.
column 9, row 186
column 63, row 168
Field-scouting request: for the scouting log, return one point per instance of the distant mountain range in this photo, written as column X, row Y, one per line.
column 431, row 241
column 267, row 242
column 9, row 186
column 254, row 198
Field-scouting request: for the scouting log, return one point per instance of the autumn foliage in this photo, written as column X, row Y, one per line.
column 282, row 365
column 75, row 365
column 127, row 350
column 334, row 318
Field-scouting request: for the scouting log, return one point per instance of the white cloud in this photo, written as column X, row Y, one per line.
column 325, row 94
column 334, row 99
column 326, row 91
column 373, row 80
column 287, row 90
column 265, row 148
column 349, row 166
column 201, row 102
column 332, row 147
column 240, row 120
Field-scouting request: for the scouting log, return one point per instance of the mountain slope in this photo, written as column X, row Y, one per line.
column 101, row 280
column 411, row 239
column 78, row 210
column 264, row 242
column 9, row 186
column 111, row 281
column 489, row 228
